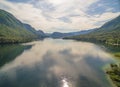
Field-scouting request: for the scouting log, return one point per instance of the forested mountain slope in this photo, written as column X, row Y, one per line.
column 14, row 31
column 109, row 33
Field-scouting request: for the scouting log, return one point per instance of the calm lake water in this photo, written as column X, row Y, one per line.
column 53, row 63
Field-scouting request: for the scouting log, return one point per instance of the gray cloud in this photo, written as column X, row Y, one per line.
column 65, row 19
column 44, row 5
column 22, row 1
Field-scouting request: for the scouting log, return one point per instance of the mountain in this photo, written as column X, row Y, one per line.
column 111, row 25
column 57, row 35
column 62, row 35
column 14, row 31
column 109, row 33
column 30, row 28
column 39, row 33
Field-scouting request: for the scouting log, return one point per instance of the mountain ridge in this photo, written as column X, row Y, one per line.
column 109, row 33
column 62, row 35
column 14, row 31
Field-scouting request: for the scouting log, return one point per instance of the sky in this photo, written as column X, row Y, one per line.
column 63, row 15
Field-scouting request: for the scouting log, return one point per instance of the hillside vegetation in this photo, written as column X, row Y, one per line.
column 109, row 33
column 114, row 74
column 14, row 31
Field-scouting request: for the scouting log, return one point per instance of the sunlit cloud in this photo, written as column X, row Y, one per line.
column 68, row 15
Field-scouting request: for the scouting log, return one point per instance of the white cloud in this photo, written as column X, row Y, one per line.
column 104, row 17
column 46, row 14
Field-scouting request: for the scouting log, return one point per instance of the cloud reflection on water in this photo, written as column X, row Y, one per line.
column 47, row 61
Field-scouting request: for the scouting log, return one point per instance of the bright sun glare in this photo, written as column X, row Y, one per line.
column 65, row 83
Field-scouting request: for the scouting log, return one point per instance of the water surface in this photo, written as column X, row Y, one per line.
column 54, row 63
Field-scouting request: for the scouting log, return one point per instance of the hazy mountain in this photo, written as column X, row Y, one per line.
column 108, row 33
column 12, row 30
column 39, row 33
column 62, row 35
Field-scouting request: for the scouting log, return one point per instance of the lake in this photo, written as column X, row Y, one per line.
column 54, row 63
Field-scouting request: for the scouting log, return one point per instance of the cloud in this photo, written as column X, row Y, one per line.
column 102, row 6
column 104, row 18
column 57, row 15
column 23, row 1
column 65, row 19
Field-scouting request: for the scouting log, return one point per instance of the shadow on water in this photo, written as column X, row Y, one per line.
column 87, row 82
column 10, row 52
